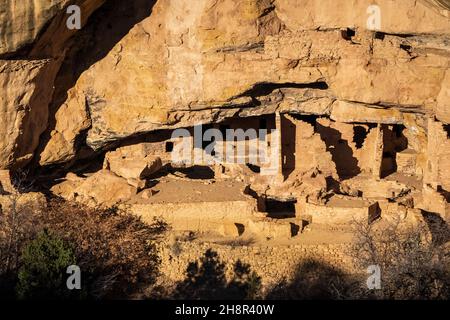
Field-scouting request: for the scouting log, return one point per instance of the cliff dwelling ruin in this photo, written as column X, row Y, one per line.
column 329, row 173
column 306, row 122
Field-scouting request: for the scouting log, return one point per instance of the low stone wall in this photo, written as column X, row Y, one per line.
column 342, row 211
column 272, row 264
column 221, row 217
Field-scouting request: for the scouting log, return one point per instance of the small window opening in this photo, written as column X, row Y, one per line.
column 169, row 146
column 262, row 123
column 447, row 129
column 348, row 34
column 359, row 136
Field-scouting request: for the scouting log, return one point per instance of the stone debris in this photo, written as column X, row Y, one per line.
column 103, row 189
column 132, row 162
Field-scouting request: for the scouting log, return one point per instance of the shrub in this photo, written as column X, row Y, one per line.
column 44, row 263
column 414, row 260
column 115, row 251
column 19, row 224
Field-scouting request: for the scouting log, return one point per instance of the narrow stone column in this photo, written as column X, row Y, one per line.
column 378, row 152
column 278, row 126
column 431, row 174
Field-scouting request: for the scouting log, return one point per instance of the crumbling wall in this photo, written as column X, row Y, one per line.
column 438, row 166
column 310, row 150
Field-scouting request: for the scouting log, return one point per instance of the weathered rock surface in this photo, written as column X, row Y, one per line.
column 173, row 72
column 37, row 28
column 23, row 107
column 33, row 40
column 132, row 162
column 22, row 21
column 103, row 189
column 169, row 71
column 374, row 102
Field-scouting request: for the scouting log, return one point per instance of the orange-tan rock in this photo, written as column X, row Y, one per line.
column 362, row 111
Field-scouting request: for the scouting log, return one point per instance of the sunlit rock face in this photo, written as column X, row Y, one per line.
column 33, row 41
column 140, row 66
column 22, row 21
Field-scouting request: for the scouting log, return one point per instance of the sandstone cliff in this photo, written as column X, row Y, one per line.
column 185, row 63
column 140, row 66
